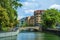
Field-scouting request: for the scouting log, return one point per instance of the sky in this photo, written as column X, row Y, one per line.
column 29, row 6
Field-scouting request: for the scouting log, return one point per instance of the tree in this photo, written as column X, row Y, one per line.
column 50, row 18
column 8, row 10
column 4, row 19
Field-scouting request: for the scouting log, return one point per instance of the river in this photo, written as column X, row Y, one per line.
column 32, row 36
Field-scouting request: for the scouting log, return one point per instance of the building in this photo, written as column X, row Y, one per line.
column 37, row 17
column 31, row 21
column 28, row 20
column 22, row 21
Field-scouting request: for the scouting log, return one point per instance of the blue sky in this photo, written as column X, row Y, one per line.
column 29, row 6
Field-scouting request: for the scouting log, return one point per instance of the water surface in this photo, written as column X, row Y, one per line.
column 32, row 36
column 37, row 36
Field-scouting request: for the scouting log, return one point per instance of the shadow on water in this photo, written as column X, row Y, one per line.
column 53, row 33
column 48, row 32
column 51, row 36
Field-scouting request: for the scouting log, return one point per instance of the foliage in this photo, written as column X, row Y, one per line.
column 8, row 13
column 27, row 25
column 30, row 25
column 24, row 24
column 50, row 18
column 4, row 19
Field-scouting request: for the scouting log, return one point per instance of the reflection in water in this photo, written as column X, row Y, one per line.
column 26, row 36
column 37, row 36
column 32, row 36
column 9, row 38
column 48, row 36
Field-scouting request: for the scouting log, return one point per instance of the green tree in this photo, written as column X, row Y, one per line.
column 4, row 19
column 50, row 18
column 8, row 10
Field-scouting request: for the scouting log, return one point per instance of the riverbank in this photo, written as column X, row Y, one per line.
column 53, row 31
column 6, row 34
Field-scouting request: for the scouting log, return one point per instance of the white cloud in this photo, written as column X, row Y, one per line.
column 30, row 4
column 29, row 11
column 55, row 6
column 26, row 3
column 33, row 0
column 24, row 8
column 19, row 17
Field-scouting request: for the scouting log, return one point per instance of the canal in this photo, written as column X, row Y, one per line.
column 33, row 36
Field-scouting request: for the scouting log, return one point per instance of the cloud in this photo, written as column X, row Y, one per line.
column 30, row 5
column 27, row 0
column 26, row 3
column 29, row 11
column 30, row 0
column 19, row 17
column 28, row 8
column 23, row 0
column 33, row 0
column 56, row 6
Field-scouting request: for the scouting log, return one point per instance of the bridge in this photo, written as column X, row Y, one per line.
column 30, row 28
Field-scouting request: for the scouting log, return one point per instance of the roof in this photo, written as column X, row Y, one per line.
column 38, row 11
